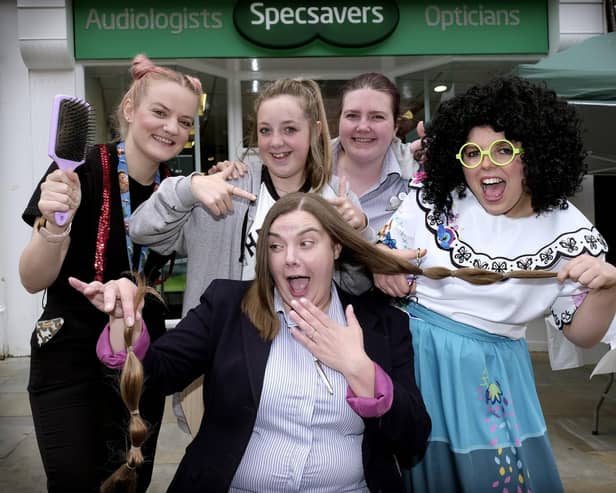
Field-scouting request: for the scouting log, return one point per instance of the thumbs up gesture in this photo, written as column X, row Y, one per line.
column 351, row 213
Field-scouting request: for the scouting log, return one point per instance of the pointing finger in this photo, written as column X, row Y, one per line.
column 240, row 192
column 77, row 284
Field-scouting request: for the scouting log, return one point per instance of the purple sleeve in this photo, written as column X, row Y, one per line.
column 374, row 407
column 113, row 360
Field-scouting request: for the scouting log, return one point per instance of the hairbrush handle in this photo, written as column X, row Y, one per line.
column 70, row 133
column 60, row 218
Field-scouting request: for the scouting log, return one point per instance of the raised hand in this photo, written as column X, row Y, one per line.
column 239, row 168
column 339, row 347
column 592, row 272
column 60, row 192
column 594, row 316
column 399, row 285
column 115, row 297
column 347, row 209
column 216, row 193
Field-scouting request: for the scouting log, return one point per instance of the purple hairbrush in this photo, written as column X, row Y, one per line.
column 70, row 133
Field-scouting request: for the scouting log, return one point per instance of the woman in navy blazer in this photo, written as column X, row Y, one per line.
column 239, row 338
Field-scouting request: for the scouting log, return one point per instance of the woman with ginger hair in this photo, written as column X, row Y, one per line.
column 78, row 415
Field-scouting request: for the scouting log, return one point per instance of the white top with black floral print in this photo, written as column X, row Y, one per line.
column 474, row 238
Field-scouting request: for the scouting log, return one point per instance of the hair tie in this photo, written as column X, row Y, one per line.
column 129, row 467
column 135, row 412
column 130, row 349
column 134, row 448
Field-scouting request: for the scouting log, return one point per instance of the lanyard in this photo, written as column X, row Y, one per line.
column 126, row 208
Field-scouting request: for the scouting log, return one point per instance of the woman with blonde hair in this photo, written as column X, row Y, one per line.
column 78, row 415
column 217, row 227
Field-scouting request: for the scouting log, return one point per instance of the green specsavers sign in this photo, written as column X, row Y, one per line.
column 278, row 25
column 275, row 28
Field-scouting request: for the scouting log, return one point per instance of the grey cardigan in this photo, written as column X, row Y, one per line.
column 172, row 220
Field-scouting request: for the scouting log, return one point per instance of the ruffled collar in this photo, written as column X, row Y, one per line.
column 570, row 244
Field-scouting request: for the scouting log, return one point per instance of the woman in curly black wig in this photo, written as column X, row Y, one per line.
column 547, row 126
column 501, row 161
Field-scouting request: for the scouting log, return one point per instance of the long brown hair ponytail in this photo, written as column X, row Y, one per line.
column 258, row 302
column 131, row 386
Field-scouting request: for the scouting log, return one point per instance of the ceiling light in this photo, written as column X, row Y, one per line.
column 254, row 65
column 440, row 88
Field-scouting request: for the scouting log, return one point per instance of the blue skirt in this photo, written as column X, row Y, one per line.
column 488, row 432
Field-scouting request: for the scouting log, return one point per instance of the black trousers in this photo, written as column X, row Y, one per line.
column 81, row 430
column 80, row 420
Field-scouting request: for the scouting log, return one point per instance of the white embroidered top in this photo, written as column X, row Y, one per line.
column 474, row 238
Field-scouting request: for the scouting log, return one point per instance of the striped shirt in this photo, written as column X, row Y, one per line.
column 304, row 438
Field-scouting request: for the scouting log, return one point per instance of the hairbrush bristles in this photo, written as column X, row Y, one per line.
column 72, row 131
column 70, row 135
column 73, row 137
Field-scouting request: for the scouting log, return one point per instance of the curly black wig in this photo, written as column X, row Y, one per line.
column 547, row 126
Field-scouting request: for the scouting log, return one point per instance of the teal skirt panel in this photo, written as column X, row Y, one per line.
column 488, row 431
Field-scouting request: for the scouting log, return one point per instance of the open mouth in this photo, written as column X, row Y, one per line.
column 298, row 285
column 493, row 188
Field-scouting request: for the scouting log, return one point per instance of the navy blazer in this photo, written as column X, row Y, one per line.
column 216, row 339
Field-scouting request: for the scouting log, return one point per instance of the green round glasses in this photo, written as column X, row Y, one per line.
column 501, row 153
